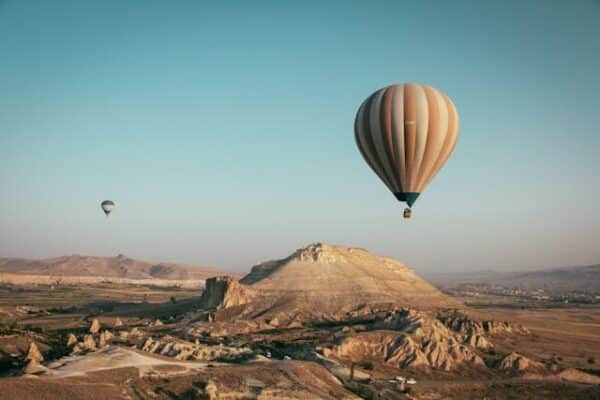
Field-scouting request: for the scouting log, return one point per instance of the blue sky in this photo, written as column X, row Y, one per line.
column 223, row 131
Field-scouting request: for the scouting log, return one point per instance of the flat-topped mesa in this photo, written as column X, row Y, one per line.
column 322, row 281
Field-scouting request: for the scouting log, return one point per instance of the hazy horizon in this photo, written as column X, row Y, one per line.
column 224, row 133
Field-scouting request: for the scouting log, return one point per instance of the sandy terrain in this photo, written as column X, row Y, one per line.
column 114, row 357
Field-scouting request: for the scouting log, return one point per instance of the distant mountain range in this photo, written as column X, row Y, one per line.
column 564, row 279
column 121, row 267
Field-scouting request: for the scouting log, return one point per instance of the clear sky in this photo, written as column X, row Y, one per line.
column 223, row 131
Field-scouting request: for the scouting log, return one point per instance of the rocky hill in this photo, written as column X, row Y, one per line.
column 324, row 282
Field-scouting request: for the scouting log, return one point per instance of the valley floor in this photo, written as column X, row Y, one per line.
column 567, row 336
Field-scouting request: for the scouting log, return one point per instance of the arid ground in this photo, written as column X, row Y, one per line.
column 294, row 328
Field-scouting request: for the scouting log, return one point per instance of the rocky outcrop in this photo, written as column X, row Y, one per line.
column 71, row 340
column 401, row 350
column 478, row 342
column 34, row 367
column 104, row 338
column 409, row 338
column 221, row 329
column 224, row 292
column 574, row 375
column 322, row 253
column 89, row 342
column 118, row 322
column 518, row 363
column 461, row 323
column 34, row 354
column 95, row 327
column 182, row 350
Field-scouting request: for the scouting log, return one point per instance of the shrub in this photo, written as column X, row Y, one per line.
column 368, row 365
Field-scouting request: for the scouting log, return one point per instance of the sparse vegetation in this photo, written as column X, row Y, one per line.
column 368, row 365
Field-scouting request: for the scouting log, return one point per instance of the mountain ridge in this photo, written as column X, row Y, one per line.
column 121, row 266
column 582, row 277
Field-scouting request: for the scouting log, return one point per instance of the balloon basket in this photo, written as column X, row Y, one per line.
column 407, row 213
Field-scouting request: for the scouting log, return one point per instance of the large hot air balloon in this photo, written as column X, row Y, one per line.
column 107, row 206
column 406, row 133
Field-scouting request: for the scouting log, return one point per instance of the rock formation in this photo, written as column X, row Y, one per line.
column 89, row 342
column 330, row 278
column 224, row 292
column 71, row 340
column 118, row 322
column 422, row 344
column 182, row 350
column 478, row 342
column 102, row 340
column 34, row 354
column 34, row 367
column 518, row 363
column 95, row 327
column 459, row 322
column 320, row 282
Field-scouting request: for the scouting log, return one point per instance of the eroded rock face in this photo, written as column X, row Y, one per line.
column 411, row 338
column 34, row 367
column 518, row 363
column 95, row 327
column 402, row 350
column 34, row 353
column 89, row 342
column 182, row 350
column 104, row 338
column 479, row 342
column 224, row 292
column 319, row 252
column 71, row 340
column 459, row 322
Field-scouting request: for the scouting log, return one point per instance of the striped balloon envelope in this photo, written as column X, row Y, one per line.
column 406, row 133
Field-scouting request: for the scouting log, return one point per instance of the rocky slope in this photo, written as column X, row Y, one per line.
column 333, row 277
column 388, row 314
column 322, row 282
column 408, row 338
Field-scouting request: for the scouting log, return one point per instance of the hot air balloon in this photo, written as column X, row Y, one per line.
column 406, row 133
column 107, row 206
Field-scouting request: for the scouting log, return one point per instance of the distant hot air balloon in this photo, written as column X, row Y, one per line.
column 107, row 206
column 406, row 133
